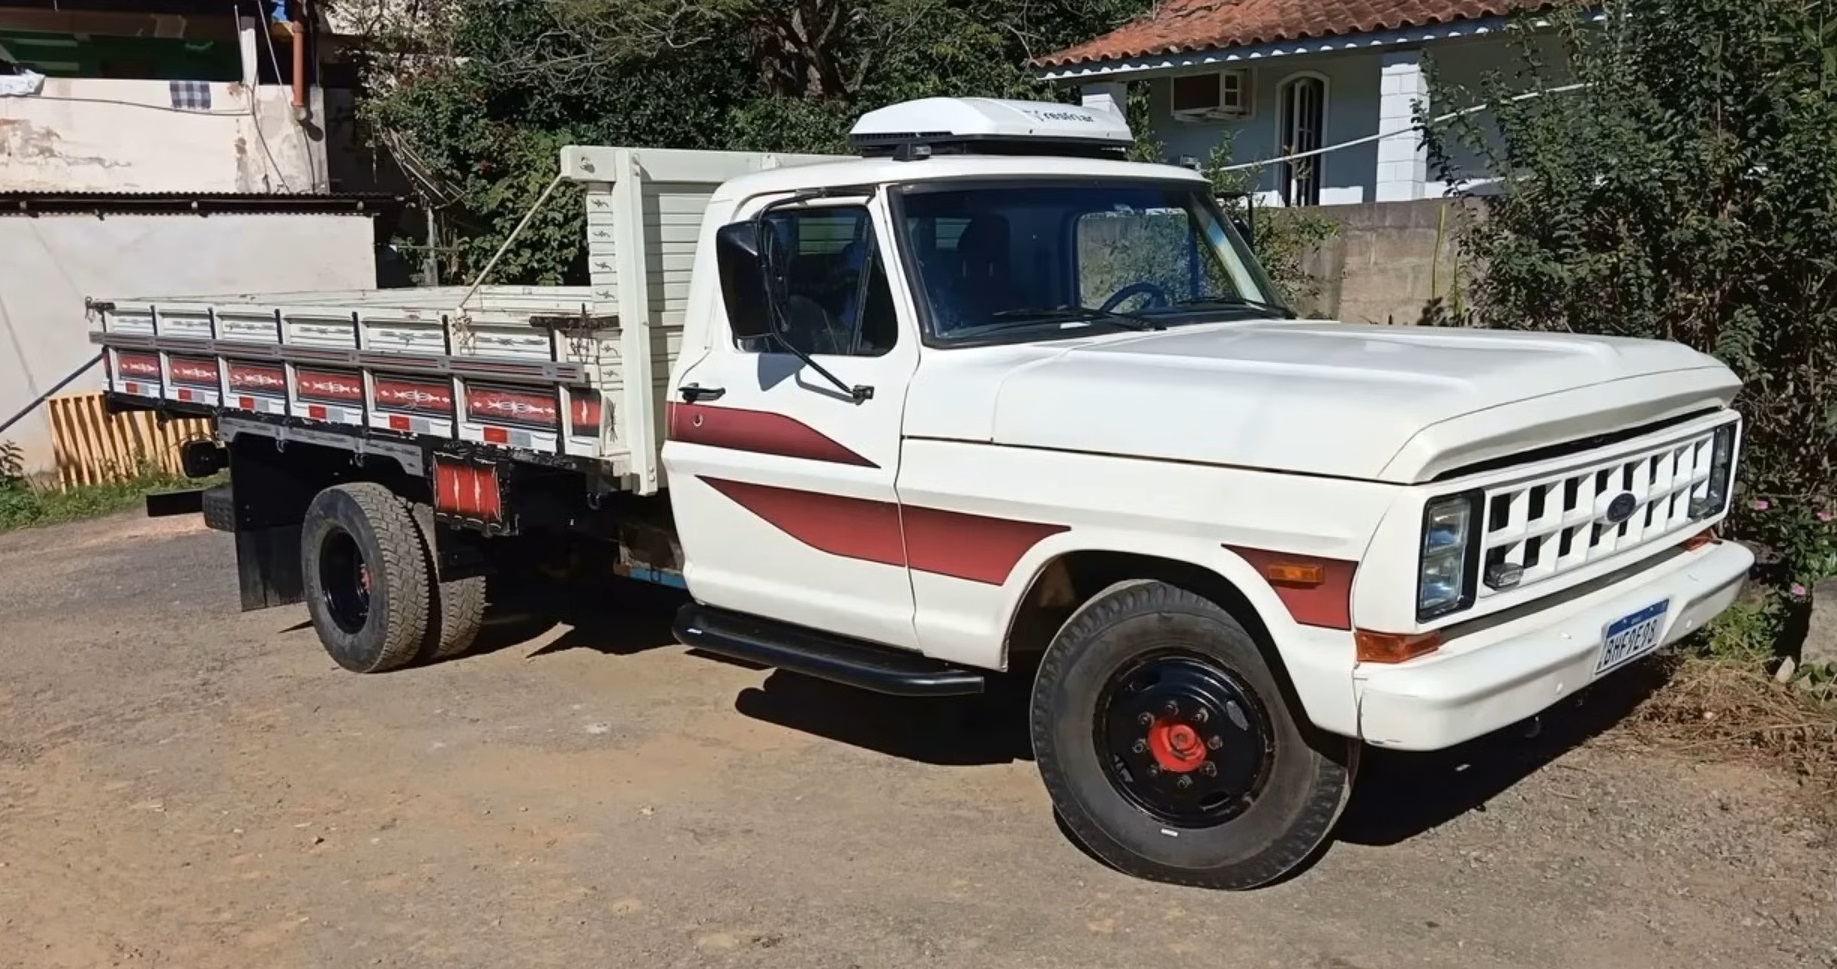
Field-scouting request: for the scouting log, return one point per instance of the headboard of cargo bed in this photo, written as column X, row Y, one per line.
column 644, row 217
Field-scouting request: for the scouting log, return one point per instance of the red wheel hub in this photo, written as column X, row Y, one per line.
column 1176, row 746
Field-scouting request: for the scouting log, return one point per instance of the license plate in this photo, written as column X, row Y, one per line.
column 1630, row 637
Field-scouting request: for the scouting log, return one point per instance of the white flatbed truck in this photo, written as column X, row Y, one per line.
column 987, row 397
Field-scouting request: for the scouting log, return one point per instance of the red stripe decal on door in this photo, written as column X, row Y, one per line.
column 761, row 432
column 972, row 547
column 854, row 528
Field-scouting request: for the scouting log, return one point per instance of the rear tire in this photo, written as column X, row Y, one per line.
column 460, row 606
column 366, row 577
column 1167, row 746
column 457, row 613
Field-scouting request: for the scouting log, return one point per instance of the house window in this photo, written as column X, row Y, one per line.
column 1303, row 107
column 1213, row 96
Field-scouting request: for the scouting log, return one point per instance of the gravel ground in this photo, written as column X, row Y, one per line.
column 184, row 785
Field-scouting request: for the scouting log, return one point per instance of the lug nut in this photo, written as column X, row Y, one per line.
column 1173, row 707
column 1184, row 782
column 1200, row 715
column 1210, row 768
column 1214, row 742
column 1154, row 770
column 1140, row 746
column 1145, row 719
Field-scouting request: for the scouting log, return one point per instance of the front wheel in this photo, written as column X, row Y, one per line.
column 1168, row 748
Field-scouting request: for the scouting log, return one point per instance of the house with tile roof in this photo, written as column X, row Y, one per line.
column 1294, row 76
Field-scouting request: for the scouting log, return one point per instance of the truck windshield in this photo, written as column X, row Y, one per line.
column 1004, row 261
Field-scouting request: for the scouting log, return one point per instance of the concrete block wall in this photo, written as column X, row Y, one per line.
column 1388, row 260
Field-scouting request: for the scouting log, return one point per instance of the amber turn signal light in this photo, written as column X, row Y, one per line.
column 1394, row 647
column 1295, row 573
column 1700, row 539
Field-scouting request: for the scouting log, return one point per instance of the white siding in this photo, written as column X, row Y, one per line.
column 1354, row 82
column 50, row 263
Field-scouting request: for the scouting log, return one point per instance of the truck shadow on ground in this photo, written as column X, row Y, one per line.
column 619, row 618
column 1399, row 795
column 948, row 731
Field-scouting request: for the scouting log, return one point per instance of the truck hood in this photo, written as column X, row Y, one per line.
column 1394, row 403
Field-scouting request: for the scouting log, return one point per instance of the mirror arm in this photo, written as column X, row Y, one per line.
column 857, row 393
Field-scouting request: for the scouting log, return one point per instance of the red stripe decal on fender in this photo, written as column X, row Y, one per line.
column 972, row 547
column 1328, row 604
column 761, row 432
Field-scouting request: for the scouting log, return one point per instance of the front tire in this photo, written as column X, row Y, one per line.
column 1169, row 750
column 366, row 577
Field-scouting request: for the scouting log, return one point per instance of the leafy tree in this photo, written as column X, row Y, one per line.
column 493, row 88
column 1687, row 191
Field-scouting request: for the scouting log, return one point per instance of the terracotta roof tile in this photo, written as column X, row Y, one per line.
column 1177, row 26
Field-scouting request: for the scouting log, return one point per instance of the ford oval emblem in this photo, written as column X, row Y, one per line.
column 1621, row 508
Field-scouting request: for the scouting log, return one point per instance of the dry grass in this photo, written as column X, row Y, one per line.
column 1724, row 707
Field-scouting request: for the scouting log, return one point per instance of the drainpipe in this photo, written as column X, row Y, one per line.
column 300, row 114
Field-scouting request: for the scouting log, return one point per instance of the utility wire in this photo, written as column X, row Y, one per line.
column 1400, row 131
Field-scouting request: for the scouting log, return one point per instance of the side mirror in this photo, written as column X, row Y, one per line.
column 743, row 284
column 1245, row 222
column 1245, row 229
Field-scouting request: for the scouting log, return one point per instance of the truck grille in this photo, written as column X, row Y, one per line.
column 1552, row 524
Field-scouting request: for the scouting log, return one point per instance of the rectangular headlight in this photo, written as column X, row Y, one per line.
column 1715, row 497
column 1444, row 581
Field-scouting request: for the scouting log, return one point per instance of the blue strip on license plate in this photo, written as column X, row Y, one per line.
column 1630, row 637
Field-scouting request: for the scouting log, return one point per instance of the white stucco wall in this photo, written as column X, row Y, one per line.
column 48, row 264
column 109, row 135
column 1351, row 112
column 1352, row 108
column 1463, row 66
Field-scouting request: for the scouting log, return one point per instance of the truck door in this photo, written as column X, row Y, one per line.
column 782, row 485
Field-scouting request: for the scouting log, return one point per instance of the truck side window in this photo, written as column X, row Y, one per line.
column 833, row 285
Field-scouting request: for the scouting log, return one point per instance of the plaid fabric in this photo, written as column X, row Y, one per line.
column 191, row 95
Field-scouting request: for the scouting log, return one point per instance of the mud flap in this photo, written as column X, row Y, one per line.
column 268, row 567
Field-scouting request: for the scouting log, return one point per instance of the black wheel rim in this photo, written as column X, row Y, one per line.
column 1183, row 738
column 344, row 582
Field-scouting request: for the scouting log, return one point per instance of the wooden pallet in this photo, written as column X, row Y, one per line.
column 93, row 446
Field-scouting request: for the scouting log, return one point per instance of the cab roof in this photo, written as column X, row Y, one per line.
column 887, row 171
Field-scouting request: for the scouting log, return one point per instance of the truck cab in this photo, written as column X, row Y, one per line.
column 989, row 406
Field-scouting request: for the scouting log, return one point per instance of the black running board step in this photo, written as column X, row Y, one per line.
column 819, row 654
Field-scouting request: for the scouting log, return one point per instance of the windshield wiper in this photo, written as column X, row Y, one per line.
column 1275, row 308
column 1026, row 316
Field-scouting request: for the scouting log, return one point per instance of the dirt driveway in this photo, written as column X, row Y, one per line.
column 182, row 785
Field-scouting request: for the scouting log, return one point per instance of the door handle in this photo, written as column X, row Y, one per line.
column 696, row 393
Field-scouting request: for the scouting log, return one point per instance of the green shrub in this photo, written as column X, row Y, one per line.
column 23, row 504
column 1687, row 192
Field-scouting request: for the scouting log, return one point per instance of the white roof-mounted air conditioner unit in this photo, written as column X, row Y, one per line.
column 919, row 129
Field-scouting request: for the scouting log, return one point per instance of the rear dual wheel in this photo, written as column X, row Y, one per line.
column 372, row 585
column 1169, row 750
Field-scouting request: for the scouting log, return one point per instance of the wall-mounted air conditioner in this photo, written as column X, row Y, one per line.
column 1212, row 96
